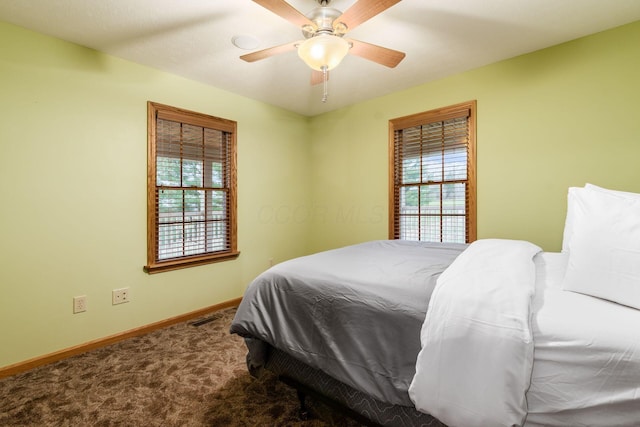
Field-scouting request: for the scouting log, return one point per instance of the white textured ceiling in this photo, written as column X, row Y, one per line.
column 192, row 38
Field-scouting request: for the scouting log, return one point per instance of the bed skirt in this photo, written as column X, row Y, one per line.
column 384, row 414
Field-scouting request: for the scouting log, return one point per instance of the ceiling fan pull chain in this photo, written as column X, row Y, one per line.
column 325, row 84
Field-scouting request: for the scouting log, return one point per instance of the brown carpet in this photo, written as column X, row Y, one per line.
column 178, row 376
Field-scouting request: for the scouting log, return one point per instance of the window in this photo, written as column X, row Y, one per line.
column 191, row 189
column 432, row 194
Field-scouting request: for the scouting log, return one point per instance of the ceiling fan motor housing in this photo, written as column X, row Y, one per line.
column 323, row 17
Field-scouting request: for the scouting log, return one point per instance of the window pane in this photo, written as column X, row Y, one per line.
column 215, row 146
column 192, row 141
column 410, row 139
column 168, row 171
column 455, row 164
column 217, row 236
column 217, row 177
column 170, row 206
column 432, row 167
column 409, row 227
column 454, row 229
column 194, row 205
column 430, row 199
column 454, row 199
column 192, row 173
column 411, row 170
column 430, row 229
column 217, row 205
column 409, row 200
column 170, row 239
column 194, row 238
column 168, row 138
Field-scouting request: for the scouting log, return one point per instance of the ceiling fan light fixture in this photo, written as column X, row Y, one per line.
column 324, row 51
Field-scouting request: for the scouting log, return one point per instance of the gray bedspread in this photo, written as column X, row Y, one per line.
column 354, row 313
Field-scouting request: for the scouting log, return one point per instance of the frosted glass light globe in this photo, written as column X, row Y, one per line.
column 324, row 50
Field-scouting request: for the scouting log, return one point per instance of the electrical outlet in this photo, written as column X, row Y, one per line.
column 79, row 304
column 120, row 296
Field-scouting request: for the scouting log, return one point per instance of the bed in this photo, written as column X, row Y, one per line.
column 498, row 332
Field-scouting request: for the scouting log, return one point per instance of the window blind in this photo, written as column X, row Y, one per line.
column 433, row 176
column 193, row 183
column 191, row 190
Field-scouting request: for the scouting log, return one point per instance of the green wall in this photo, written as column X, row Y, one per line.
column 73, row 194
column 547, row 120
column 73, row 173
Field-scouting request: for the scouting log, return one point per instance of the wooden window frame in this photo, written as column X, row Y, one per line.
column 433, row 116
column 182, row 116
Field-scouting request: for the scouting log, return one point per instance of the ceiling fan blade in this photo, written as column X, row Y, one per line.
column 364, row 10
column 317, row 77
column 286, row 11
column 382, row 55
column 271, row 51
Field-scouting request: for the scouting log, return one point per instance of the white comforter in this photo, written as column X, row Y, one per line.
column 476, row 359
column 495, row 308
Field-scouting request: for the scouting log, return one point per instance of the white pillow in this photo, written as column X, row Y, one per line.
column 632, row 196
column 604, row 248
column 573, row 211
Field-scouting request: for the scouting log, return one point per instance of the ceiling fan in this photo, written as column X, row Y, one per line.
column 323, row 29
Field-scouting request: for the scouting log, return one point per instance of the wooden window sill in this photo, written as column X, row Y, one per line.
column 189, row 262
